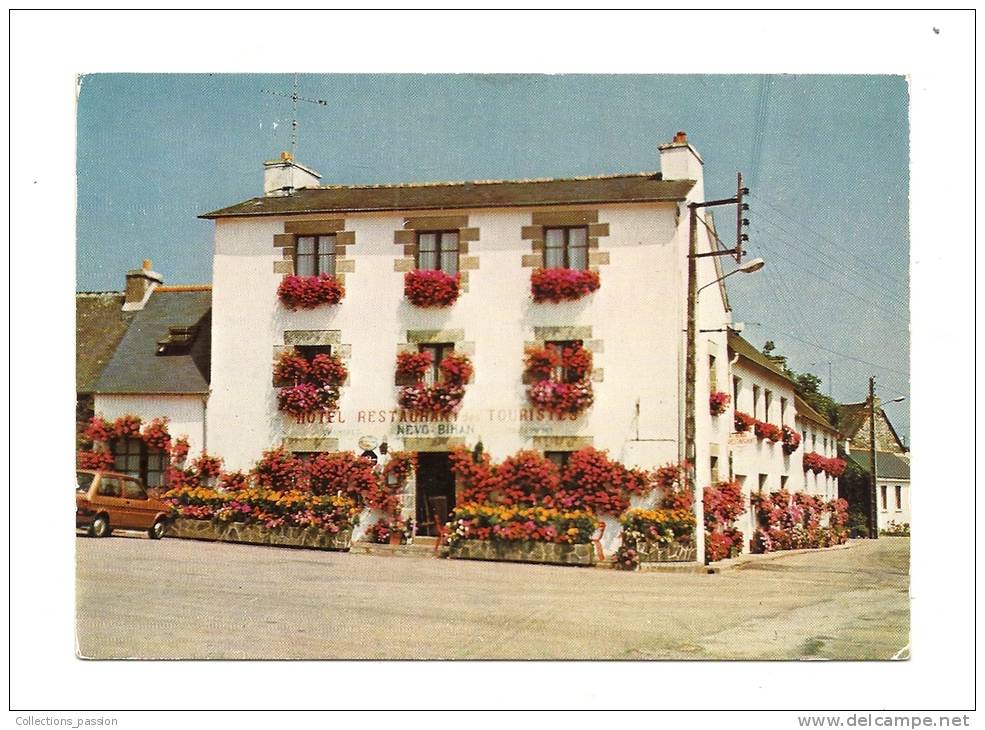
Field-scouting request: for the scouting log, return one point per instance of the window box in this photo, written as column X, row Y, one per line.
column 431, row 288
column 718, row 403
column 307, row 292
column 559, row 372
column 562, row 285
column 433, row 379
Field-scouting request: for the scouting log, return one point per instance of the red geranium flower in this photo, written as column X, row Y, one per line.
column 559, row 285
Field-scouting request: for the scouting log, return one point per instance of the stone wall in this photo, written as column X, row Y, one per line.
column 675, row 552
column 309, row 537
column 523, row 552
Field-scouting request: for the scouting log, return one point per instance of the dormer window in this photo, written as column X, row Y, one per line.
column 314, row 255
column 178, row 342
column 566, row 247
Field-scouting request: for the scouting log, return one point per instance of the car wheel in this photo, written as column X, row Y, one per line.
column 100, row 526
column 157, row 531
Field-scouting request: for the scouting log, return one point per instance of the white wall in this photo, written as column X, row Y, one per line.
column 186, row 414
column 887, row 511
column 636, row 314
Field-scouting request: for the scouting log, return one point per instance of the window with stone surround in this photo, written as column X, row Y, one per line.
column 314, row 255
column 438, row 251
column 439, row 351
column 566, row 247
column 561, row 373
column 560, row 458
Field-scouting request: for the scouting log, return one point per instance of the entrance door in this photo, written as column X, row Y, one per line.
column 435, row 490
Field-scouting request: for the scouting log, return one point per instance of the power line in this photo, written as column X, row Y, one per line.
column 847, row 252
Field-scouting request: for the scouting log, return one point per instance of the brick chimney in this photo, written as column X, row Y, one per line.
column 284, row 176
column 140, row 283
column 680, row 161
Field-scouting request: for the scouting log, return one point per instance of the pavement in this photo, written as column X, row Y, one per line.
column 181, row 599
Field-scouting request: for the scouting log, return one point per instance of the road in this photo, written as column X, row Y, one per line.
column 179, row 599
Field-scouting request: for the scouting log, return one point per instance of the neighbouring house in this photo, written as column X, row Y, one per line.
column 159, row 369
column 892, row 463
column 774, row 432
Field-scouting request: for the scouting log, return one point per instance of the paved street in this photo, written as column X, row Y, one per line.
column 183, row 599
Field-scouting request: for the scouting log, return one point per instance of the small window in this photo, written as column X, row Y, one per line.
column 783, row 411
column 882, row 494
column 899, row 497
column 566, row 248
column 133, row 490
column 762, row 482
column 109, row 487
column 314, row 255
column 439, row 351
column 562, row 374
column 755, row 401
column 783, row 481
column 713, row 463
column 305, row 455
column 767, row 402
column 736, row 384
column 308, row 352
column 558, row 457
column 712, row 374
column 438, row 251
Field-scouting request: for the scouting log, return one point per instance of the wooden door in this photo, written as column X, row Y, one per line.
column 435, row 490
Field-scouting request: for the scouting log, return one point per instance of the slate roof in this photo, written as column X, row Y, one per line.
column 628, row 188
column 137, row 368
column 888, row 464
column 744, row 349
column 100, row 324
column 805, row 410
column 852, row 416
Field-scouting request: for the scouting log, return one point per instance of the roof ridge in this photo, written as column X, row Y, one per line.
column 182, row 287
column 450, row 183
column 98, row 293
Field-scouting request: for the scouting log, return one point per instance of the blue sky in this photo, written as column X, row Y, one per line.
column 826, row 158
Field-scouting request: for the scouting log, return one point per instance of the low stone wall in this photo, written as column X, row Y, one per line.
column 523, row 552
column 308, row 537
column 675, row 552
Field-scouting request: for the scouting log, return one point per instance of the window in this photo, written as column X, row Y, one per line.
column 825, row 452
column 137, row 459
column 736, row 384
column 882, row 494
column 762, row 482
column 899, row 497
column 438, row 251
column 561, row 373
column 783, row 481
column 566, row 248
column 109, row 487
column 755, row 401
column 783, row 411
column 133, row 490
column 714, row 468
column 439, row 351
column 314, row 255
column 712, row 374
column 308, row 352
column 558, row 457
column 768, row 401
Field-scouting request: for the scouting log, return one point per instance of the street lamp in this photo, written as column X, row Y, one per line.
column 750, row 266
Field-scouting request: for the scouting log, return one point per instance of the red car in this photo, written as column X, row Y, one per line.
column 106, row 500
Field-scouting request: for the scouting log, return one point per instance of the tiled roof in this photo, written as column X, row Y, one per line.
column 176, row 320
column 805, row 410
column 100, row 324
column 629, row 188
column 888, row 464
column 744, row 349
column 851, row 416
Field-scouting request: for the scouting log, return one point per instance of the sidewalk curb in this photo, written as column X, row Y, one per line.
column 734, row 563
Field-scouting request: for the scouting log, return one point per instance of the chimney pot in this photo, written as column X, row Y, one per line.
column 147, row 265
column 680, row 138
column 140, row 283
column 286, row 156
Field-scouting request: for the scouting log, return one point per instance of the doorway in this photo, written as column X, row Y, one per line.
column 435, row 490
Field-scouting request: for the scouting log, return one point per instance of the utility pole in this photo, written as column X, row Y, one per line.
column 873, row 498
column 690, row 369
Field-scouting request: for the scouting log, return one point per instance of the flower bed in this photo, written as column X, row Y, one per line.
column 559, row 379
column 308, row 292
column 425, row 288
column 303, row 537
column 895, row 529
column 561, row 285
column 656, row 536
column 497, row 523
column 796, row 521
column 439, row 399
column 724, row 503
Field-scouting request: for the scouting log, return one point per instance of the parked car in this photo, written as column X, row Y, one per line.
column 105, row 501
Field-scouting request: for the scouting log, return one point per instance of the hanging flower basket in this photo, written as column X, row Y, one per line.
column 427, row 288
column 718, row 402
column 308, row 292
column 562, row 285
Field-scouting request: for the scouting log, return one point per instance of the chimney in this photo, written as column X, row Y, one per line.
column 284, row 176
column 140, row 283
column 680, row 161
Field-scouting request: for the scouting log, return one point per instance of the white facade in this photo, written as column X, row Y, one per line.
column 185, row 414
column 892, row 502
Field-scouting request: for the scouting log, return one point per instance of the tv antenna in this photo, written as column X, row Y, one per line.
column 295, row 97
